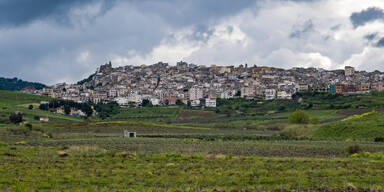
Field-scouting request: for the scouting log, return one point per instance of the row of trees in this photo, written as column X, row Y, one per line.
column 104, row 110
column 67, row 105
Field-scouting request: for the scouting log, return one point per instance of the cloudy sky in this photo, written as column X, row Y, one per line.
column 53, row 41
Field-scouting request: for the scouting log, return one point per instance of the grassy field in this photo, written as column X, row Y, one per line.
column 244, row 145
column 153, row 113
column 364, row 128
column 92, row 168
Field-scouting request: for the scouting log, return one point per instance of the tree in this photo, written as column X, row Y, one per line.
column 146, row 103
column 67, row 109
column 16, row 118
column 107, row 110
column 299, row 117
column 87, row 109
column 43, row 107
column 179, row 102
column 30, row 107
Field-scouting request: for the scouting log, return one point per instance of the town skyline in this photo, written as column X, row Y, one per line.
column 200, row 86
column 85, row 75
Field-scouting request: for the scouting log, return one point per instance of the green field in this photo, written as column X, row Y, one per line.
column 243, row 145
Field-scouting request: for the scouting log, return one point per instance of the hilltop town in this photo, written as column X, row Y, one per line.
column 190, row 84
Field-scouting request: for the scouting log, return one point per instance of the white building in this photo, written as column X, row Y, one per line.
column 195, row 93
column 112, row 93
column 122, row 101
column 227, row 94
column 270, row 94
column 210, row 102
column 303, row 87
column 349, row 71
column 195, row 103
column 284, row 95
column 134, row 98
column 247, row 92
column 155, row 101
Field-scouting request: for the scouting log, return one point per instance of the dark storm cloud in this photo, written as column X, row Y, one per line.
column 380, row 43
column 366, row 16
column 182, row 12
column 19, row 12
column 371, row 36
column 43, row 40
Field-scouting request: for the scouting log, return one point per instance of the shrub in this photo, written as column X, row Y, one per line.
column 29, row 126
column 67, row 109
column 16, row 118
column 30, row 107
column 37, row 118
column 44, row 107
column 353, row 149
column 379, row 139
column 299, row 117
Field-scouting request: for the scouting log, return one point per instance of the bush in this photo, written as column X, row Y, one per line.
column 16, row 118
column 37, row 118
column 29, row 126
column 299, row 117
column 67, row 109
column 30, row 107
column 44, row 107
column 379, row 139
column 354, row 149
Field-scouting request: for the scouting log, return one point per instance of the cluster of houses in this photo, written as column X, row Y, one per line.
column 199, row 85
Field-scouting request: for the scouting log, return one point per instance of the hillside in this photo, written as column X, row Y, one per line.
column 369, row 126
column 15, row 98
column 15, row 101
column 16, row 84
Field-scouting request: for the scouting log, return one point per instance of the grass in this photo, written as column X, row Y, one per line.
column 92, row 168
column 323, row 114
column 243, row 145
column 17, row 98
column 152, row 113
column 205, row 144
column 365, row 128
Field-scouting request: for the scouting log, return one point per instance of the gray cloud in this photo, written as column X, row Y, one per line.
column 45, row 40
column 366, row 16
column 380, row 43
column 301, row 30
column 371, row 36
column 20, row 12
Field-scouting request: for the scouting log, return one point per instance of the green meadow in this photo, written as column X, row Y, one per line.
column 242, row 145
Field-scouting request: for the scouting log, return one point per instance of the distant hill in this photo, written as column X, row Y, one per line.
column 15, row 84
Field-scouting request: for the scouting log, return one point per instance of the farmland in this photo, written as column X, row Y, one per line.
column 240, row 145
